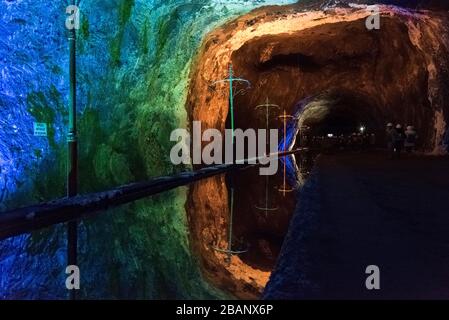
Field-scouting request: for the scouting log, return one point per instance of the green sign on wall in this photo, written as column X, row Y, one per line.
column 40, row 129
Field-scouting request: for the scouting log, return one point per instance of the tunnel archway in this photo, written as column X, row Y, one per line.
column 338, row 113
column 329, row 70
column 355, row 66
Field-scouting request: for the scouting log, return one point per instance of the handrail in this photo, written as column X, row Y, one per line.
column 32, row 218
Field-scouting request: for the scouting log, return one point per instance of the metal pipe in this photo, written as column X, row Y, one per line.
column 32, row 218
column 72, row 161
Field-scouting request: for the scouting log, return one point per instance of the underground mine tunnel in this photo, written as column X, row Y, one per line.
column 335, row 77
column 150, row 229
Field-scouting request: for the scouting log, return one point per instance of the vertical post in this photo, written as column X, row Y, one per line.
column 285, row 147
column 231, row 80
column 72, row 165
column 231, row 215
column 267, row 124
column 267, row 181
column 267, row 107
column 231, row 100
column 285, row 117
column 267, row 151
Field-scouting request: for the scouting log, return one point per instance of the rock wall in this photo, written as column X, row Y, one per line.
column 134, row 69
column 134, row 59
column 292, row 53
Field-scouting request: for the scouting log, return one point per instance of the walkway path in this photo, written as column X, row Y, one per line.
column 363, row 209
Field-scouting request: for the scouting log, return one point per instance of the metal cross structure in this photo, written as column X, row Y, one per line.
column 284, row 190
column 267, row 107
column 233, row 92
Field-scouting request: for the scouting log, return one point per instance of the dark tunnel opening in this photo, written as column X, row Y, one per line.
column 334, row 78
column 334, row 93
column 374, row 77
column 340, row 114
column 341, row 119
column 261, row 232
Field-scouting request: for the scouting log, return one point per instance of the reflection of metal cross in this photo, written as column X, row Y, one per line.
column 267, row 107
column 284, row 117
column 228, row 251
column 233, row 93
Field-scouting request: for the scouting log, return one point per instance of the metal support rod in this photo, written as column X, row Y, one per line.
column 72, row 165
column 231, row 80
column 231, row 214
column 267, row 107
column 266, row 209
column 285, row 147
column 231, row 218
column 231, row 100
column 284, row 117
column 233, row 93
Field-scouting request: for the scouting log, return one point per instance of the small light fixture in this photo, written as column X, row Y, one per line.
column 362, row 129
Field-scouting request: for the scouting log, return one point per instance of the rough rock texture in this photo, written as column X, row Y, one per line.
column 398, row 73
column 134, row 58
column 134, row 61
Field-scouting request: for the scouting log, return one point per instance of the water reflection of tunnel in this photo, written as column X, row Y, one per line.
column 335, row 76
column 262, row 232
column 289, row 68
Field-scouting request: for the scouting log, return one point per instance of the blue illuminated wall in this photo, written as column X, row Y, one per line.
column 134, row 58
